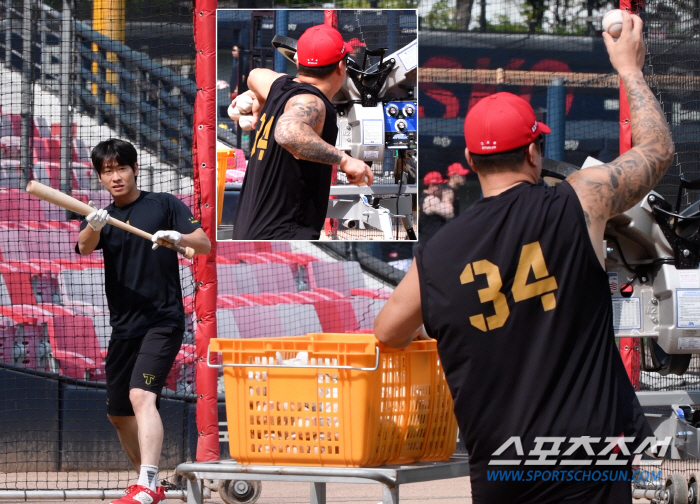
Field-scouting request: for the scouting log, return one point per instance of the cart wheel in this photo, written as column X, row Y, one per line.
column 239, row 491
column 676, row 490
column 693, row 490
column 668, row 364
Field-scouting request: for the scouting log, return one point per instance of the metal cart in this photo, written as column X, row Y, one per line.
column 239, row 483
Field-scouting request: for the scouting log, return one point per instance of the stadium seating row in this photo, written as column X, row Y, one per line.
column 46, row 159
column 265, row 290
column 53, row 338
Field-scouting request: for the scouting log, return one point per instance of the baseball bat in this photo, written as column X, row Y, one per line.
column 69, row 203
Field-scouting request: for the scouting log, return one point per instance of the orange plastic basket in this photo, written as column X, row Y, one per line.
column 357, row 404
column 224, row 159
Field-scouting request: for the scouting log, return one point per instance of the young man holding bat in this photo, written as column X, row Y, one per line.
column 144, row 296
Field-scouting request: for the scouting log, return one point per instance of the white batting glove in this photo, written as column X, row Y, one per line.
column 97, row 219
column 169, row 236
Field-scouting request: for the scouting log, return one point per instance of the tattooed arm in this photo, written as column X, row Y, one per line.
column 610, row 189
column 299, row 131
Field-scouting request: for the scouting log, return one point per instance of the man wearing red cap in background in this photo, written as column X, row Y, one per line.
column 286, row 186
column 434, row 210
column 516, row 293
column 356, row 50
column 456, row 178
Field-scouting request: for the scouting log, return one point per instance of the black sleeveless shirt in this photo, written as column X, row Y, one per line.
column 283, row 198
column 521, row 308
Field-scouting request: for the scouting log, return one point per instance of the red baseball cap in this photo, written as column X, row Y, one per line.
column 321, row 45
column 501, row 122
column 356, row 42
column 433, row 177
column 456, row 169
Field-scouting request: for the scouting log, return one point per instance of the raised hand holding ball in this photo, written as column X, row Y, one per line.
column 612, row 22
column 244, row 103
column 246, row 122
column 234, row 113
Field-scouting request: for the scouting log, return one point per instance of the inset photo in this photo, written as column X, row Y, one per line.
column 317, row 124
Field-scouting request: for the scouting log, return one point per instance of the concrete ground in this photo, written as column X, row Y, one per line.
column 449, row 491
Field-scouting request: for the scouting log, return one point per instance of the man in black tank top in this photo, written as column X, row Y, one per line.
column 286, row 186
column 515, row 292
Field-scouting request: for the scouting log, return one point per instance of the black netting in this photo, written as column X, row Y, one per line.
column 673, row 66
column 74, row 75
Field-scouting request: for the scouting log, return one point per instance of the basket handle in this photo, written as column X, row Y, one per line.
column 307, row 366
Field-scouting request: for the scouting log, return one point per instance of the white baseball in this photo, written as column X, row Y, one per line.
column 246, row 122
column 612, row 22
column 234, row 113
column 244, row 103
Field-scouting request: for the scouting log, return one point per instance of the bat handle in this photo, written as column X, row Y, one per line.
column 187, row 252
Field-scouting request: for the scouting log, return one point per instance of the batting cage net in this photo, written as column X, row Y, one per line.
column 246, row 40
column 75, row 74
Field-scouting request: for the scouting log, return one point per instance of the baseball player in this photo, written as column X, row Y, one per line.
column 516, row 294
column 286, row 186
column 142, row 284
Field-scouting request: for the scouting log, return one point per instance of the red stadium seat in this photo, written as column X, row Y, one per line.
column 258, row 322
column 30, row 348
column 312, row 296
column 41, row 125
column 18, row 283
column 182, row 375
column 8, row 333
column 232, row 301
column 47, row 150
column 298, row 319
column 274, row 278
column 75, row 346
column 19, row 206
column 43, row 281
column 337, row 316
column 330, row 293
column 252, row 258
column 371, row 293
column 329, row 276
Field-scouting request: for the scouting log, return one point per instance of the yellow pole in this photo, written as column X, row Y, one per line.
column 108, row 18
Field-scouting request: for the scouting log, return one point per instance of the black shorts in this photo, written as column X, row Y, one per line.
column 142, row 363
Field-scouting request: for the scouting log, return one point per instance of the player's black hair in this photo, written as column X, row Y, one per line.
column 318, row 72
column 123, row 152
column 505, row 161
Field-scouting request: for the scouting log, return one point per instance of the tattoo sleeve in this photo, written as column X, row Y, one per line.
column 296, row 130
column 613, row 188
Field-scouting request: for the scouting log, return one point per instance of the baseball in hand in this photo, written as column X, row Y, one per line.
column 234, row 113
column 244, row 103
column 246, row 122
column 612, row 22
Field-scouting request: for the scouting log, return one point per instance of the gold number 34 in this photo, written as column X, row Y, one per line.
column 531, row 258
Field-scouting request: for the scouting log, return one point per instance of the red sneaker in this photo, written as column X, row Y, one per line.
column 137, row 494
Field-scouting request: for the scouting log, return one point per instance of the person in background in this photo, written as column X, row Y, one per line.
column 239, row 77
column 434, row 210
column 456, row 178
